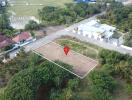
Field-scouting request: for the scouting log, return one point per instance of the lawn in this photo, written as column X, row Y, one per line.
column 80, row 47
column 32, row 10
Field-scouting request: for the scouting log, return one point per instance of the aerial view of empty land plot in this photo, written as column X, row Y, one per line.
column 30, row 7
column 54, row 52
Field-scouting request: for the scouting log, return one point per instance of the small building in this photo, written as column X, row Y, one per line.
column 93, row 29
column 22, row 39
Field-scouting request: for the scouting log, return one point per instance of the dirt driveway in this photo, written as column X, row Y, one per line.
column 82, row 65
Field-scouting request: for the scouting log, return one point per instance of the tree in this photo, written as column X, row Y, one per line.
column 70, row 14
column 27, row 82
column 100, row 94
column 102, row 85
column 102, row 80
column 118, row 63
column 5, row 27
column 73, row 84
column 32, row 25
column 125, row 70
column 4, row 21
column 110, row 57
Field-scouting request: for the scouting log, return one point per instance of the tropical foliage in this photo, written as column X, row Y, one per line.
column 71, row 13
column 5, row 23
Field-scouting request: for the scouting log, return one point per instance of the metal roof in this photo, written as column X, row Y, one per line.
column 94, row 27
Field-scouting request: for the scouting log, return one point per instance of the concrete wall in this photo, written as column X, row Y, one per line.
column 126, row 47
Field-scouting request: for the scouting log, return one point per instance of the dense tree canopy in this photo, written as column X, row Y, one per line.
column 118, row 63
column 71, row 13
column 26, row 84
column 5, row 23
column 32, row 25
column 102, row 85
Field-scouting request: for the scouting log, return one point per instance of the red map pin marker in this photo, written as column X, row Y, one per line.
column 66, row 49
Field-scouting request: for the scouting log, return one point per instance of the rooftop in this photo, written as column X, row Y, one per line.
column 97, row 28
column 22, row 36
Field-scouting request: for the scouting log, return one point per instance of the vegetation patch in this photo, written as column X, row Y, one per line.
column 80, row 47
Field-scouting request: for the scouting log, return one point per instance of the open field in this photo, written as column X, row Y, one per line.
column 30, row 7
column 81, row 64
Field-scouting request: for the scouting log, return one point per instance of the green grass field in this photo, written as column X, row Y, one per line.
column 80, row 47
column 32, row 10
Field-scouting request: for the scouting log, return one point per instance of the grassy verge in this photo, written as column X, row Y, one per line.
column 80, row 47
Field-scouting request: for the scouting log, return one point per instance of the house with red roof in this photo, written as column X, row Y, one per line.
column 22, row 39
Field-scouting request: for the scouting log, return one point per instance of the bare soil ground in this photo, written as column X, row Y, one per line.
column 81, row 64
column 48, row 30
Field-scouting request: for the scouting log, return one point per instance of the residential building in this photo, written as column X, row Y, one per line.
column 95, row 30
column 22, row 39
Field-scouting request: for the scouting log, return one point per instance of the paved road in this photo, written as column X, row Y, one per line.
column 58, row 34
column 68, row 31
column 103, row 44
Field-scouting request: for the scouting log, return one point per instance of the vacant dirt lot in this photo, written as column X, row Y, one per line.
column 81, row 64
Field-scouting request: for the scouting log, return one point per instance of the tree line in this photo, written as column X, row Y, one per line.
column 5, row 27
column 117, row 65
column 71, row 13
